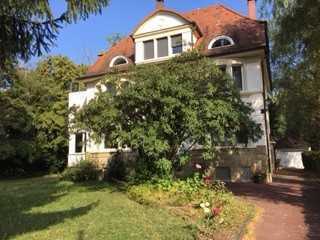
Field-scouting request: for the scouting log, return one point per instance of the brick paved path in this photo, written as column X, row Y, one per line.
column 291, row 208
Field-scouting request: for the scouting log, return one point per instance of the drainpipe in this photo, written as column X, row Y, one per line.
column 265, row 110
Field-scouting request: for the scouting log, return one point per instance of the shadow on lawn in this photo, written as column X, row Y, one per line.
column 19, row 198
column 302, row 193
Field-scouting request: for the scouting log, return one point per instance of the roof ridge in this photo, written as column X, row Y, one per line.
column 226, row 7
column 201, row 8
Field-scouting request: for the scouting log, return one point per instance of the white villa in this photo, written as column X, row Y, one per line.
column 237, row 43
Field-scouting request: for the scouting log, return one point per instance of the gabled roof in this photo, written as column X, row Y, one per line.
column 210, row 22
column 164, row 10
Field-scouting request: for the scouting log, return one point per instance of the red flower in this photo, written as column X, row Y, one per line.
column 207, row 180
column 216, row 211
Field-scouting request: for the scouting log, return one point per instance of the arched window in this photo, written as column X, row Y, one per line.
column 119, row 60
column 221, row 41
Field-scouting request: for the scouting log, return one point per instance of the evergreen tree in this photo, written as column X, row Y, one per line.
column 29, row 28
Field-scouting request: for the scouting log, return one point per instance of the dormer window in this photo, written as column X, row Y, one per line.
column 176, row 43
column 221, row 41
column 119, row 60
column 163, row 49
column 148, row 49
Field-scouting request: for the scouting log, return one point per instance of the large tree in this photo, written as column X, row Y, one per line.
column 166, row 109
column 295, row 34
column 28, row 28
column 16, row 134
column 39, row 100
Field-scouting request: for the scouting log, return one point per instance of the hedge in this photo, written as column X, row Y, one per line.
column 311, row 160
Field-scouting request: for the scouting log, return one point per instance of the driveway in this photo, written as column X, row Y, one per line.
column 291, row 207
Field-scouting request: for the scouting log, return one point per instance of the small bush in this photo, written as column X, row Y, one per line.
column 311, row 160
column 83, row 171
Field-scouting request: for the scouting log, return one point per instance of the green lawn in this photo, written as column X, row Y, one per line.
column 46, row 208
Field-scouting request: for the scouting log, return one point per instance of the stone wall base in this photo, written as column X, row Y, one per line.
column 231, row 164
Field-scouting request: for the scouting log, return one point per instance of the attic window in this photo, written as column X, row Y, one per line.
column 119, row 60
column 221, row 41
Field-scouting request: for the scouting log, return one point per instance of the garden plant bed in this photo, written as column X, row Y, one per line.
column 214, row 211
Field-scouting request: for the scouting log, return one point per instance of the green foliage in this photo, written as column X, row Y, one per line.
column 291, row 43
column 311, row 161
column 34, row 130
column 295, row 33
column 29, row 28
column 166, row 109
column 16, row 132
column 82, row 172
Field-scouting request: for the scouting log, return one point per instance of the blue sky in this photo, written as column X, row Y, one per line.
column 82, row 41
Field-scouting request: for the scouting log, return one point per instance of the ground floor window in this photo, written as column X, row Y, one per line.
column 79, row 142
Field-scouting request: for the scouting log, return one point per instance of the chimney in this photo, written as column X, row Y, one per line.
column 159, row 4
column 252, row 12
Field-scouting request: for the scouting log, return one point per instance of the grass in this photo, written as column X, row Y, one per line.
column 46, row 208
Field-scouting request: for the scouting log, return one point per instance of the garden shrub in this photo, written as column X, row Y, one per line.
column 83, row 171
column 311, row 160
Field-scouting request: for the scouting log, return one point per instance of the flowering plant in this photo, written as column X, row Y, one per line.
column 205, row 206
column 216, row 211
column 198, row 166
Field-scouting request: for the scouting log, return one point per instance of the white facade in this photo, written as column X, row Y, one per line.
column 79, row 99
column 167, row 25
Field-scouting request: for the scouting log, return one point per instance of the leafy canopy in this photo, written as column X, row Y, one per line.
column 36, row 116
column 28, row 28
column 295, row 34
column 164, row 110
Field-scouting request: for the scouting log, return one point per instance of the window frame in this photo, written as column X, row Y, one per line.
column 172, row 47
column 157, row 41
column 112, row 63
column 213, row 41
column 153, row 48
column 242, row 76
column 82, row 143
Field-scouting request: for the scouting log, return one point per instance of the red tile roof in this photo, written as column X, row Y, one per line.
column 212, row 21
